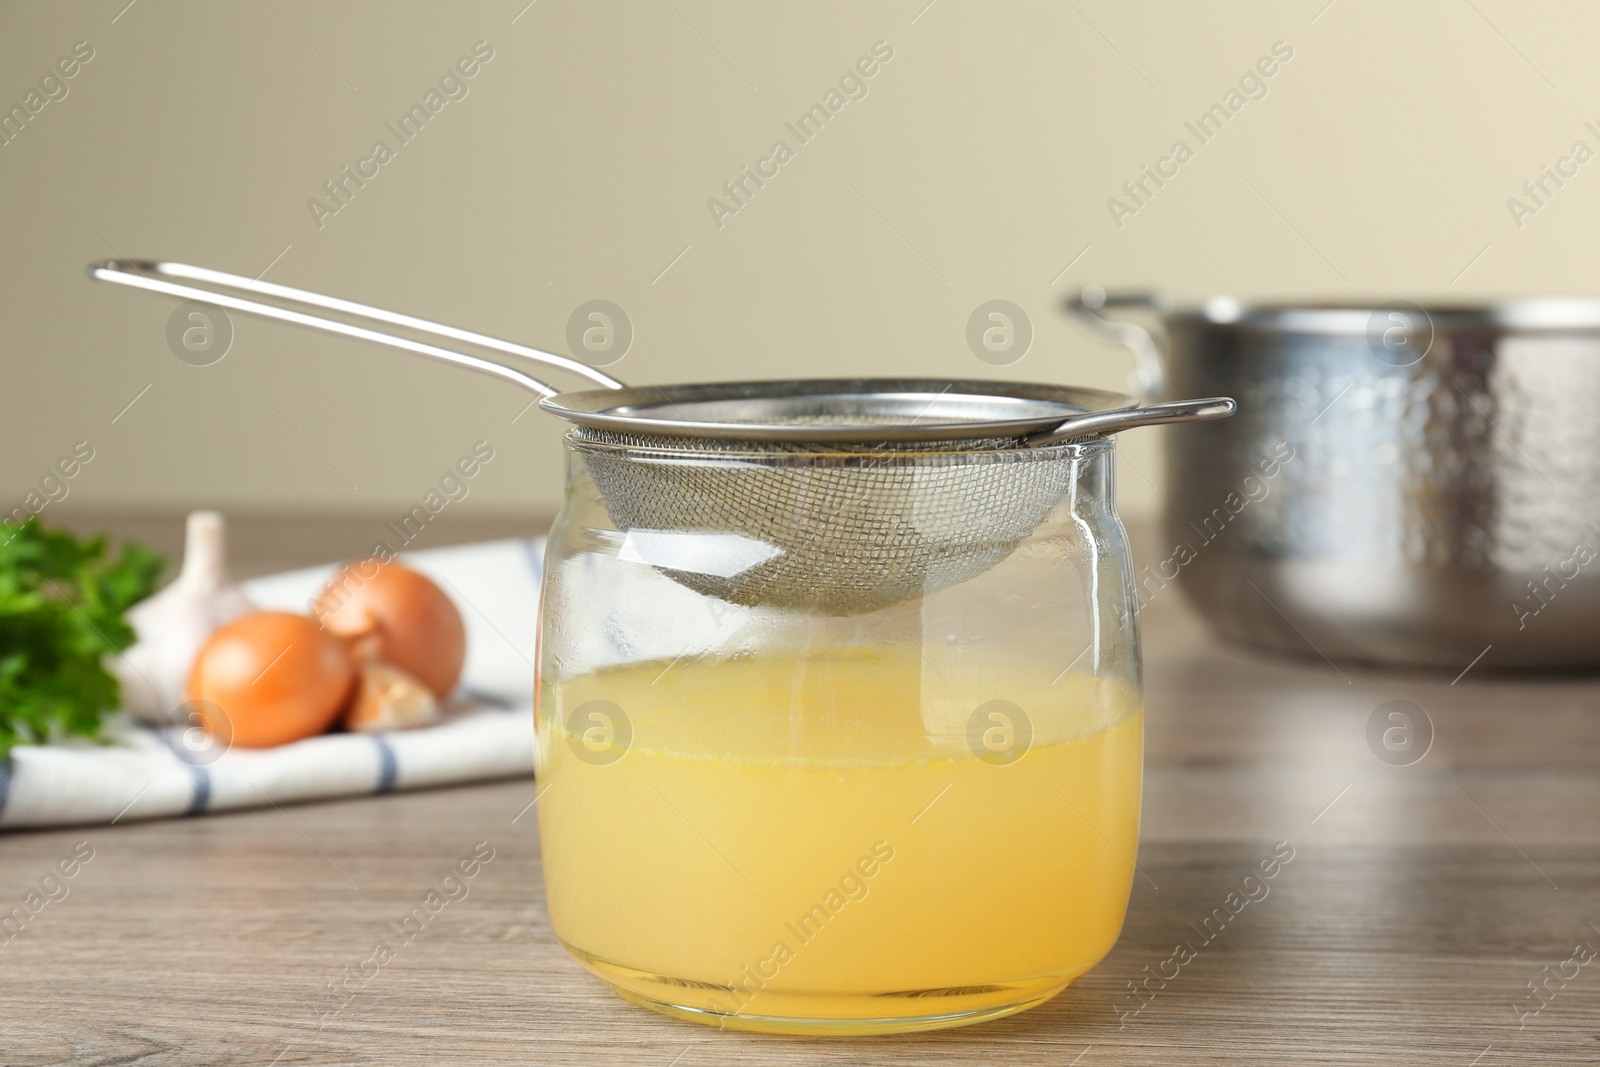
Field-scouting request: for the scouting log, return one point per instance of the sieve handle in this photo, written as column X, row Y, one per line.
column 1108, row 422
column 211, row 287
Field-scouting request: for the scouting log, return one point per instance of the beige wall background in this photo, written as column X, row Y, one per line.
column 578, row 166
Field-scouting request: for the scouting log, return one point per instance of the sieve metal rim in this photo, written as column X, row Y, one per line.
column 834, row 453
column 1025, row 408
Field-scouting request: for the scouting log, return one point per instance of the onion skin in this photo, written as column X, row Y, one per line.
column 398, row 617
column 269, row 678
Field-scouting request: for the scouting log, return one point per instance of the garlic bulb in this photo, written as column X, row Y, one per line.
column 174, row 623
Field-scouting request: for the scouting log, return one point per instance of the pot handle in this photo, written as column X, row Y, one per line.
column 1105, row 422
column 1149, row 374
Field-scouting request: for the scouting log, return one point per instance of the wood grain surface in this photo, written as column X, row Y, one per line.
column 1420, row 904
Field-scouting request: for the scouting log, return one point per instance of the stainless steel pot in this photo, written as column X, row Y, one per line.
column 1401, row 485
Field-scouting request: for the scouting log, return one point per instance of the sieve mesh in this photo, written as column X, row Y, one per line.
column 835, row 529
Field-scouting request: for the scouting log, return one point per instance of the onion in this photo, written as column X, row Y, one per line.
column 268, row 678
column 398, row 617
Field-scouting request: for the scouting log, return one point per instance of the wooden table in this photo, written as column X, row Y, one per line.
column 1420, row 903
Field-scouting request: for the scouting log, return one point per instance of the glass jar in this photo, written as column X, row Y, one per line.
column 779, row 819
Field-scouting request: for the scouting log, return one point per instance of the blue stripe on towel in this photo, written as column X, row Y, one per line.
column 388, row 769
column 200, row 799
column 5, row 782
column 481, row 696
column 202, row 790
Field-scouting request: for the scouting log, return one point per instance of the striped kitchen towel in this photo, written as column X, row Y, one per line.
column 148, row 773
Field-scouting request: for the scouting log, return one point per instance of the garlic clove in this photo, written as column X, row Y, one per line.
column 174, row 623
column 387, row 698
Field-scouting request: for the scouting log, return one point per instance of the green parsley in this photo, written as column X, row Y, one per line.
column 61, row 606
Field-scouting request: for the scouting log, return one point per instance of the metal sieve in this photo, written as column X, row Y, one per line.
column 836, row 496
